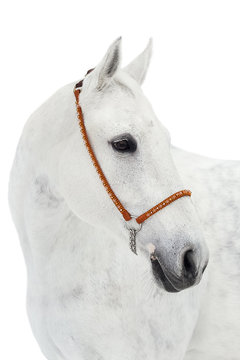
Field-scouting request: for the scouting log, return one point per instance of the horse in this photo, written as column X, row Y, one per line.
column 88, row 295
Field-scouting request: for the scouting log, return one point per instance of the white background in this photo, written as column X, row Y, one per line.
column 193, row 84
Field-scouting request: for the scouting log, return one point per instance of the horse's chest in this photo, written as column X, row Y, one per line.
column 111, row 307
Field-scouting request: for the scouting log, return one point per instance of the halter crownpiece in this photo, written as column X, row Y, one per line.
column 126, row 215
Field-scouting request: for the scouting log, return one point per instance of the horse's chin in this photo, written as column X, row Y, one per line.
column 161, row 278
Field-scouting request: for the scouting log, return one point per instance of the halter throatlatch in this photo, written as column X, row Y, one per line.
column 127, row 217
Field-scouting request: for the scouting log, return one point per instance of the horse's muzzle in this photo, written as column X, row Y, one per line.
column 189, row 271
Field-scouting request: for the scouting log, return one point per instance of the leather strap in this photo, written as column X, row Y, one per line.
column 95, row 162
column 140, row 219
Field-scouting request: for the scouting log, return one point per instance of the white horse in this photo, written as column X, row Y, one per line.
column 89, row 297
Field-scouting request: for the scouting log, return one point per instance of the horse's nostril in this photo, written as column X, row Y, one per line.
column 189, row 265
column 204, row 268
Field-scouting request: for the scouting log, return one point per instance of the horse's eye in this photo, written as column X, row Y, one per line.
column 124, row 143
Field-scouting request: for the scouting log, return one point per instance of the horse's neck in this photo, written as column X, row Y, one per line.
column 49, row 125
column 55, row 232
column 62, row 245
column 207, row 178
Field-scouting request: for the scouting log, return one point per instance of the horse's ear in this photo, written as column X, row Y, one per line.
column 105, row 70
column 137, row 69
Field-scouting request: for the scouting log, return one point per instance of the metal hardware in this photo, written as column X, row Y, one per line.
column 133, row 228
column 132, row 240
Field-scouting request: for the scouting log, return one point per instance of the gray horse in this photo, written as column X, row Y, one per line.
column 89, row 297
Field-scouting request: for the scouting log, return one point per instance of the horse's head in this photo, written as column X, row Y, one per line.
column 134, row 151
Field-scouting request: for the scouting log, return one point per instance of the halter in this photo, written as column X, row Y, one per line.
column 133, row 229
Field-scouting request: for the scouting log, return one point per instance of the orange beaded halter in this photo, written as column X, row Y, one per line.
column 127, row 217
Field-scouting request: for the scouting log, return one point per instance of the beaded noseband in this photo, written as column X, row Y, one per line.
column 126, row 215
